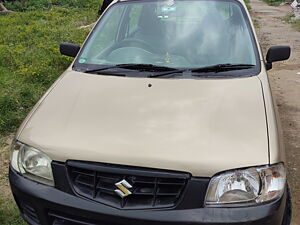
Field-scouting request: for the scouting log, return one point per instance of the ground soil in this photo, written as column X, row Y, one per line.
column 4, row 161
column 285, row 84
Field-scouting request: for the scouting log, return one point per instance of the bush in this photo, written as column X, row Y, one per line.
column 247, row 2
column 290, row 18
column 29, row 54
column 9, row 213
column 274, row 2
column 29, row 5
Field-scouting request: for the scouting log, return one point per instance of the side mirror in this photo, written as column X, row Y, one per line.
column 277, row 53
column 69, row 49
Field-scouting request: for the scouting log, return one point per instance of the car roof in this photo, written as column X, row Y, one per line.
column 114, row 1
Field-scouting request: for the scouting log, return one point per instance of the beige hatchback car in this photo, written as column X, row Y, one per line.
column 165, row 117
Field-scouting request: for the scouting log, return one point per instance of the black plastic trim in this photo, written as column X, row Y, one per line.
column 194, row 185
column 155, row 179
column 135, row 171
column 46, row 198
column 69, row 49
column 61, row 179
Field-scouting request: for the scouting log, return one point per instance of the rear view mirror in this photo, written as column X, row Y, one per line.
column 277, row 53
column 69, row 49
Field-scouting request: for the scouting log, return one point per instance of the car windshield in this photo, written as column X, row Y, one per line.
column 174, row 33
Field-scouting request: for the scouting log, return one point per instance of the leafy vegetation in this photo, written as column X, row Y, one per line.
column 247, row 2
column 30, row 5
column 296, row 25
column 256, row 24
column 9, row 214
column 30, row 62
column 289, row 18
column 29, row 55
column 274, row 2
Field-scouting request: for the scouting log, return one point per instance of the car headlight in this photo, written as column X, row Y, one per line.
column 31, row 163
column 246, row 186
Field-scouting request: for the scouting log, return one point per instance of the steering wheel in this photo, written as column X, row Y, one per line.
column 133, row 42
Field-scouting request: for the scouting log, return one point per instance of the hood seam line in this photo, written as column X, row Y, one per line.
column 266, row 116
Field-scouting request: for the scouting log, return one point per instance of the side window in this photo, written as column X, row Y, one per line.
column 108, row 35
column 134, row 17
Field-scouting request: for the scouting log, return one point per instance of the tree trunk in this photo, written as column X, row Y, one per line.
column 3, row 9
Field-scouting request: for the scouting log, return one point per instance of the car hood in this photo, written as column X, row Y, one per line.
column 202, row 126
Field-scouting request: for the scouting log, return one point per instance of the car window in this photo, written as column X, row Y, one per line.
column 173, row 33
column 134, row 17
column 108, row 35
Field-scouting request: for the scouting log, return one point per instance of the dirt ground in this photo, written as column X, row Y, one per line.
column 4, row 161
column 285, row 84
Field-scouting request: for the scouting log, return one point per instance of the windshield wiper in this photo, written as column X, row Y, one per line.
column 168, row 73
column 139, row 67
column 222, row 67
column 214, row 68
column 168, row 70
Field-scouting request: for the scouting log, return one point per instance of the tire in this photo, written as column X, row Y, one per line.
column 287, row 217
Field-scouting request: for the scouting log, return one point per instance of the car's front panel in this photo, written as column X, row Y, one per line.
column 64, row 204
column 81, row 192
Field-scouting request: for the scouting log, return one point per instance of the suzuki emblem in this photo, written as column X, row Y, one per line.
column 123, row 187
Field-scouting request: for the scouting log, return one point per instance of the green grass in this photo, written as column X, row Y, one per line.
column 29, row 54
column 30, row 5
column 247, row 2
column 289, row 19
column 9, row 213
column 30, row 61
column 256, row 24
column 296, row 25
column 274, row 2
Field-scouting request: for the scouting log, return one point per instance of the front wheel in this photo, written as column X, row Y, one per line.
column 287, row 217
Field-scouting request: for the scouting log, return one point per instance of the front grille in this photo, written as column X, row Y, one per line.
column 60, row 218
column 29, row 213
column 149, row 189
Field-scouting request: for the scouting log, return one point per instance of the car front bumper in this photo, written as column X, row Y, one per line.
column 41, row 204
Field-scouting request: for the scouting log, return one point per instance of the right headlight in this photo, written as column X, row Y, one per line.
column 246, row 186
column 31, row 163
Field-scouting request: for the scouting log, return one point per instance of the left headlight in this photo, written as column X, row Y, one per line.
column 31, row 163
column 246, row 186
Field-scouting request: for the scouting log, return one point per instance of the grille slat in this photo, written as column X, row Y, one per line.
column 83, row 183
column 143, row 182
column 145, row 194
column 160, row 183
column 83, row 172
column 147, row 191
column 60, row 218
column 168, row 194
column 106, row 190
column 30, row 212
